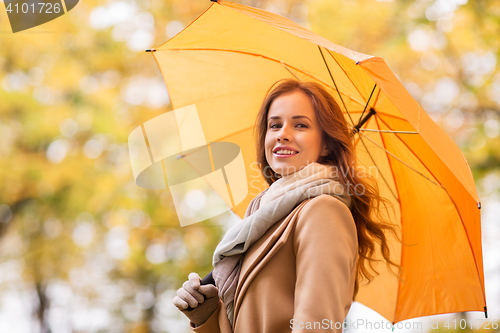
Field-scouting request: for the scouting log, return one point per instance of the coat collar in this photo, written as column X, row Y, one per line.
column 263, row 250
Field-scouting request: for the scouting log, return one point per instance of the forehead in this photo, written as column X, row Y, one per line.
column 292, row 104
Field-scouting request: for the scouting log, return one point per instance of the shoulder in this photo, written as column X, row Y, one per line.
column 325, row 204
column 326, row 212
column 326, row 223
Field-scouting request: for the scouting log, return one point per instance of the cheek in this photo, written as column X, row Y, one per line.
column 311, row 146
column 268, row 144
column 269, row 140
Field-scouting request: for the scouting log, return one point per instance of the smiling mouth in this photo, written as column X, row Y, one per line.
column 286, row 153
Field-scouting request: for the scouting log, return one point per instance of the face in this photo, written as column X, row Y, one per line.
column 292, row 123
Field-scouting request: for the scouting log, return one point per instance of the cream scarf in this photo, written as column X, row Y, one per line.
column 269, row 207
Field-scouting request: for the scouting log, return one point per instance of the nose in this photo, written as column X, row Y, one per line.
column 283, row 135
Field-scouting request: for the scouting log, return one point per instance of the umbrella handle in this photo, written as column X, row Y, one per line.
column 208, row 279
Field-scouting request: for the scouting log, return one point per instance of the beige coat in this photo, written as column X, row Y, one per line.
column 300, row 274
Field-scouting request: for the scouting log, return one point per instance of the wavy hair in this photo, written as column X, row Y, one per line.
column 366, row 207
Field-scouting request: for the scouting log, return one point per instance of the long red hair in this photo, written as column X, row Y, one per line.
column 366, row 206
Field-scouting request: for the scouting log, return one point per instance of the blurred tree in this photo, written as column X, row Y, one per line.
column 88, row 241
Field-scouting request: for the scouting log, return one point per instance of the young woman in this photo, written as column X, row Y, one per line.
column 296, row 259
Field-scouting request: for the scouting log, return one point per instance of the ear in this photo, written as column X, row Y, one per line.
column 324, row 150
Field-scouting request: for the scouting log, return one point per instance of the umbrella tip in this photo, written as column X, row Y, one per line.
column 479, row 205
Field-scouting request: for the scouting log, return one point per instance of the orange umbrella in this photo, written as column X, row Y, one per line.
column 225, row 61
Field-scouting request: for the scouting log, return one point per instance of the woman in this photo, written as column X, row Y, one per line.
column 296, row 259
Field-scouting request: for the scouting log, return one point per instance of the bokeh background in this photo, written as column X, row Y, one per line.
column 84, row 249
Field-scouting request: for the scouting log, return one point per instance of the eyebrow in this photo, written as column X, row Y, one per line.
column 294, row 117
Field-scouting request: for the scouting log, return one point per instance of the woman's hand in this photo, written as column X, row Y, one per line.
column 203, row 299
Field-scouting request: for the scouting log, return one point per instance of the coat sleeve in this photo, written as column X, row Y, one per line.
column 217, row 323
column 325, row 246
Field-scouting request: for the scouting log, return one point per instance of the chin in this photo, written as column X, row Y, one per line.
column 287, row 170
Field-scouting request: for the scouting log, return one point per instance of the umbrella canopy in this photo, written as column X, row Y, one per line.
column 225, row 61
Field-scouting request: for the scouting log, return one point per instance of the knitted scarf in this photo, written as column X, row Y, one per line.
column 267, row 208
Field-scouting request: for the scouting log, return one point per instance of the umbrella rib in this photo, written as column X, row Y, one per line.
column 166, row 85
column 288, row 69
column 348, row 77
column 233, row 133
column 387, row 131
column 470, row 245
column 360, row 117
column 457, row 210
column 381, row 174
column 335, row 84
column 218, row 140
column 385, row 114
column 368, row 102
column 383, row 178
column 400, row 160
column 378, row 95
column 414, row 154
column 265, row 57
column 400, row 217
column 362, row 120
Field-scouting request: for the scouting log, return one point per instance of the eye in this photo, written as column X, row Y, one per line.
column 300, row 124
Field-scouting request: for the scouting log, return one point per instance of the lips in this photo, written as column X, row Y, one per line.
column 285, row 155
column 276, row 149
